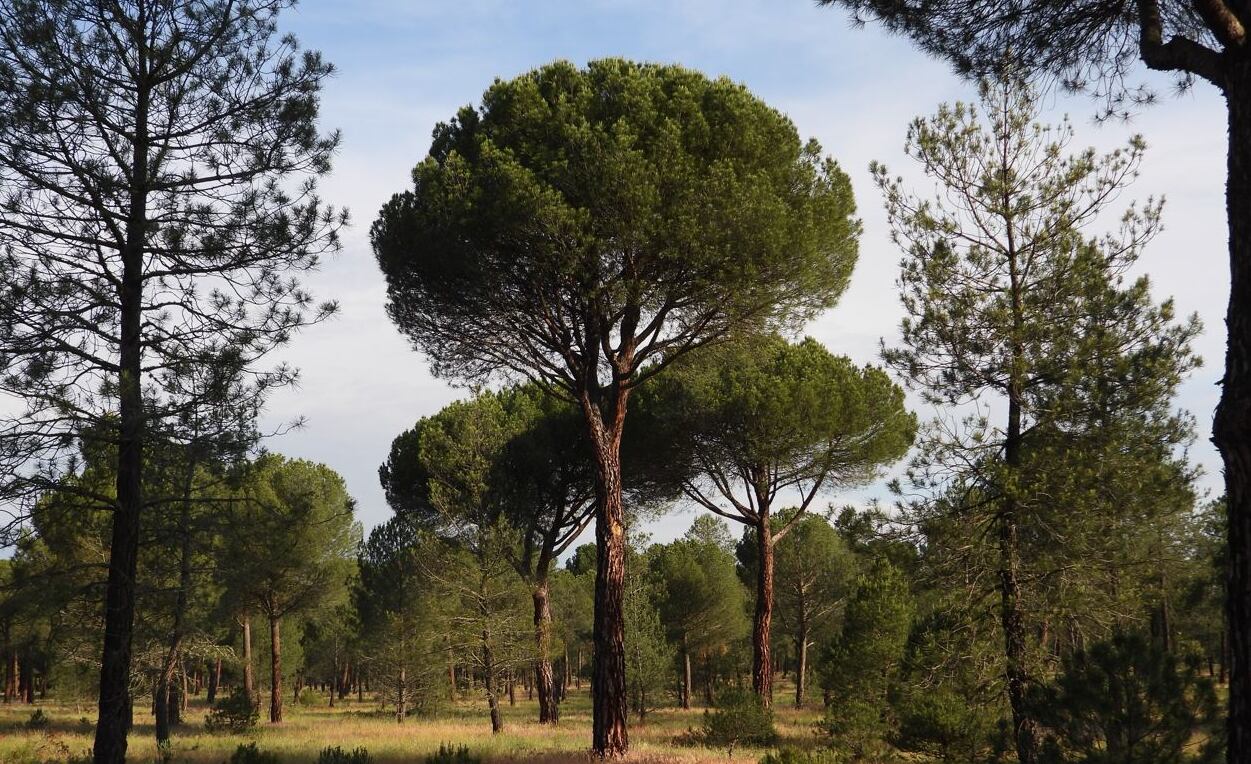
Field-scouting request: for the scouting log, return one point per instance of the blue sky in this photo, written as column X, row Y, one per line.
column 404, row 66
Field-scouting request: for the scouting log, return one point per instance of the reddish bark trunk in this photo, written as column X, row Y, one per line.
column 762, row 659
column 608, row 683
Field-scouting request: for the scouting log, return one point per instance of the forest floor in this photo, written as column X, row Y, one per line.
column 306, row 730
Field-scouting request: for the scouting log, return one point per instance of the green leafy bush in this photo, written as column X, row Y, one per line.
column 449, row 755
column 250, row 754
column 237, row 712
column 860, row 726
column 739, row 719
column 38, row 720
column 1126, row 700
column 790, row 755
column 308, row 697
column 943, row 724
column 337, row 755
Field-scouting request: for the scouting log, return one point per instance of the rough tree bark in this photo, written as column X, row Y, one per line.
column 762, row 625
column 608, row 686
column 1231, row 430
column 275, row 670
column 544, row 680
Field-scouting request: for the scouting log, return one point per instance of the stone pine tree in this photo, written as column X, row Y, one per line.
column 157, row 197
column 291, row 547
column 1093, row 46
column 699, row 598
column 997, row 284
column 749, row 421
column 585, row 226
column 815, row 575
column 511, row 463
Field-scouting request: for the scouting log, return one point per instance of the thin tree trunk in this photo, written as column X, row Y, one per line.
column 401, row 703
column 275, row 670
column 801, row 671
column 608, row 683
column 762, row 659
column 114, row 717
column 488, row 667
column 249, row 678
column 1231, row 431
column 1011, row 616
column 214, row 681
column 451, row 676
column 549, row 711
column 686, row 673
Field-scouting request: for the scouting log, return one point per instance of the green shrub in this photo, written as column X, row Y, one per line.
column 250, row 754
column 237, row 712
column 943, row 724
column 309, row 697
column 860, row 726
column 38, row 720
column 1124, row 701
column 739, row 719
column 337, row 755
column 449, row 755
column 790, row 755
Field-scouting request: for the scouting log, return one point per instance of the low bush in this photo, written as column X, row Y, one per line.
column 449, row 755
column 38, row 720
column 250, row 754
column 789, row 755
column 237, row 712
column 337, row 755
column 739, row 719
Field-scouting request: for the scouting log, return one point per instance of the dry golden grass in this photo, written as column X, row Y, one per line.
column 308, row 730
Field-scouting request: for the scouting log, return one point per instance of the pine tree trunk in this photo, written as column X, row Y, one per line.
column 1012, row 618
column 401, row 702
column 488, row 668
column 275, row 670
column 1231, row 431
column 686, row 673
column 801, row 671
column 249, row 678
column 214, row 681
column 762, row 626
column 608, row 683
column 113, row 720
column 549, row 711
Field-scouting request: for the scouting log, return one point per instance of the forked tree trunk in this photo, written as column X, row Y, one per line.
column 1231, row 430
column 608, row 684
column 762, row 626
column 545, row 683
column 275, row 670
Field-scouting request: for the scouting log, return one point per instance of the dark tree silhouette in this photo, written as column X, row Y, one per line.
column 157, row 166
column 1093, row 44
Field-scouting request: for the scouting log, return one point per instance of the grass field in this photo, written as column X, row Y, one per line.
column 309, row 729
